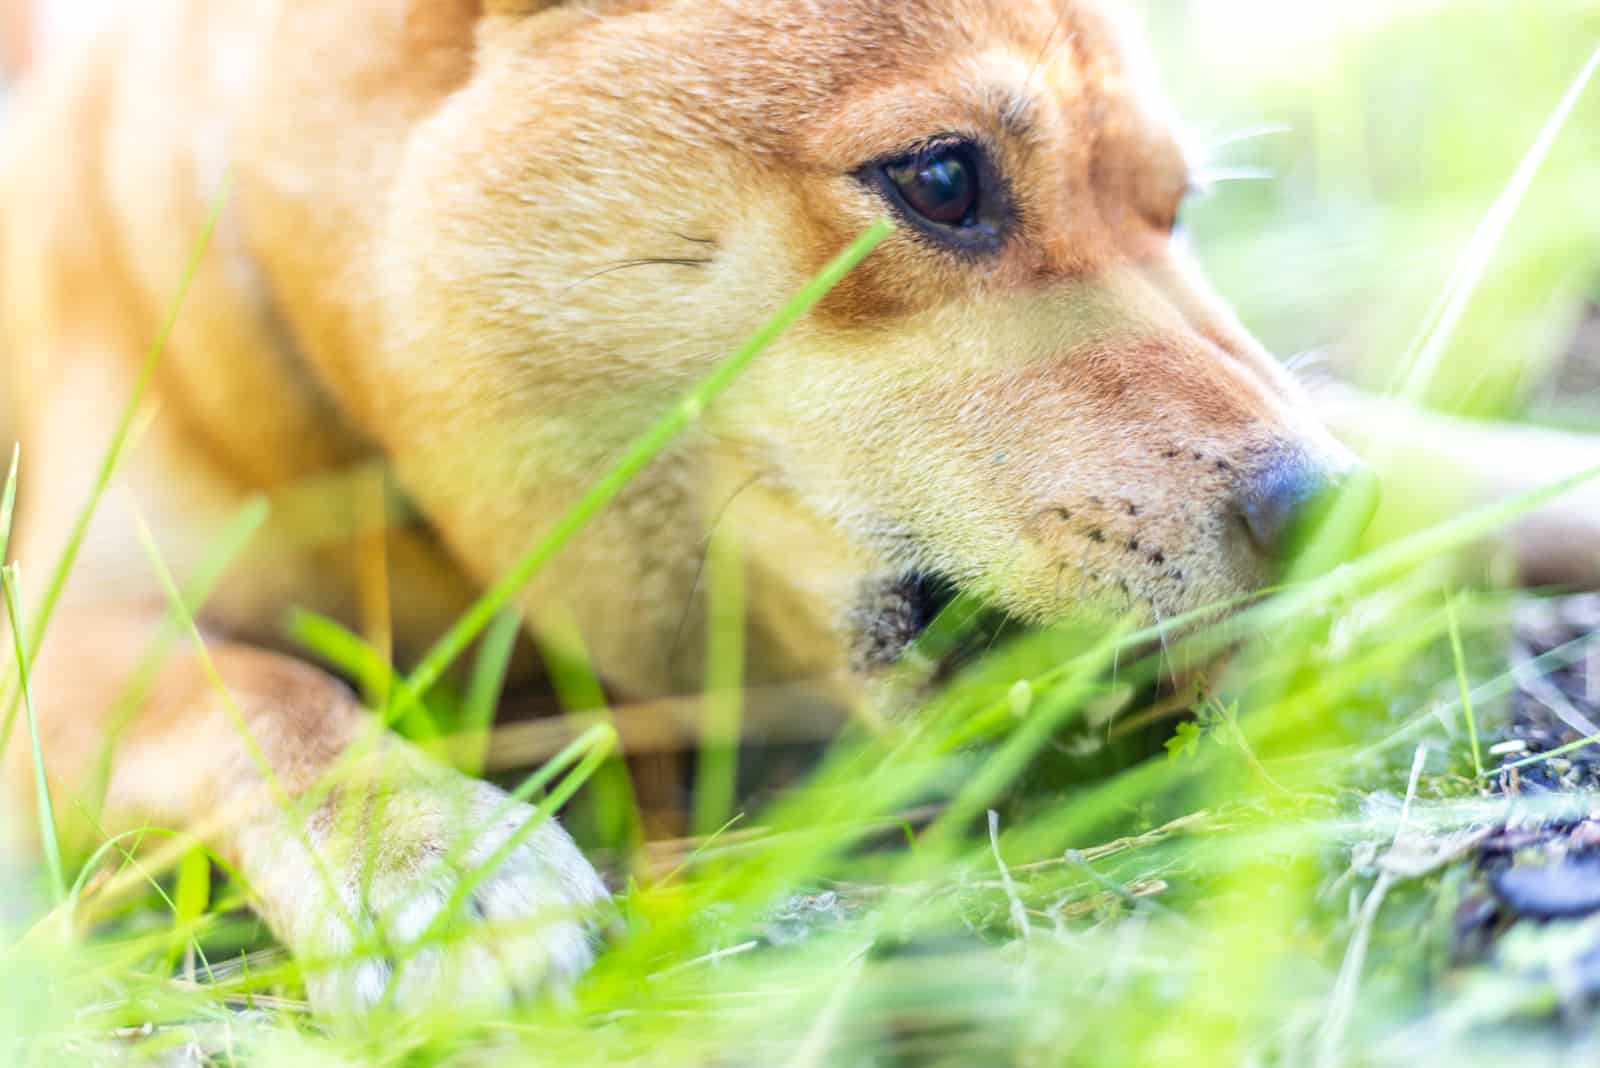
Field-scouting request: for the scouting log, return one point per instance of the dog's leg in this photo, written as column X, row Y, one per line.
column 1439, row 464
column 349, row 870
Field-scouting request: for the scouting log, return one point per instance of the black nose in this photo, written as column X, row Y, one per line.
column 1289, row 495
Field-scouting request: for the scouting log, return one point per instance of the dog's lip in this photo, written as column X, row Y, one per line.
column 923, row 616
column 930, row 594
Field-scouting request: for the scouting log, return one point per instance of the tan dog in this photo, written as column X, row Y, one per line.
column 487, row 243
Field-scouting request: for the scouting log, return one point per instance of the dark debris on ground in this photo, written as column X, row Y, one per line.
column 1538, row 882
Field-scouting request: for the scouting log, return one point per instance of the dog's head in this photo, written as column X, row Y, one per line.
column 1027, row 391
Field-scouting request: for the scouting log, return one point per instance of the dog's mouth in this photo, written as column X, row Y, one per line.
column 924, row 617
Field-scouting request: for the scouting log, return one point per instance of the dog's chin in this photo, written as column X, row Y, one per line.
column 891, row 622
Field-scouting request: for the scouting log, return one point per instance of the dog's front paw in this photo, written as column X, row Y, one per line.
column 432, row 892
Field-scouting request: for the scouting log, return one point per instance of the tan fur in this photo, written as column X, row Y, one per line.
column 430, row 221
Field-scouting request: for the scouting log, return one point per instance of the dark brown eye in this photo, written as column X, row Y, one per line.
column 949, row 193
column 940, row 184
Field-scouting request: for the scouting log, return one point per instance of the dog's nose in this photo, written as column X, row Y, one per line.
column 1290, row 494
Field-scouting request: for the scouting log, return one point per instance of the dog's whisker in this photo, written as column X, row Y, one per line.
column 1209, row 176
column 1209, row 169
column 627, row 265
column 995, row 637
column 1166, row 650
column 1306, row 360
column 1047, row 49
column 700, row 566
column 1247, row 133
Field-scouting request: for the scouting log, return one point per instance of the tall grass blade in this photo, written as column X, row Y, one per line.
column 269, row 776
column 120, row 437
column 7, row 513
column 48, row 838
column 590, row 752
column 484, row 688
column 350, row 654
column 8, row 507
column 238, row 533
column 717, row 771
column 1421, row 366
column 617, row 821
column 1461, row 683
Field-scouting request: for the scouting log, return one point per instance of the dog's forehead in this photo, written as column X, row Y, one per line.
column 800, row 61
column 908, row 35
column 848, row 79
column 1035, row 24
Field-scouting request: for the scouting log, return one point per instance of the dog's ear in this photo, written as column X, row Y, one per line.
column 444, row 27
column 442, row 30
column 467, row 10
column 435, row 20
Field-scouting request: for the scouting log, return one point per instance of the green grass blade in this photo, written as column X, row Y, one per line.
column 485, row 687
column 238, row 533
column 7, row 513
column 1461, row 683
column 1474, row 262
column 8, row 510
column 191, row 898
column 240, row 722
column 46, row 809
column 489, row 670
column 120, row 437
column 590, row 752
column 350, row 654
column 1540, row 758
column 717, row 769
column 617, row 822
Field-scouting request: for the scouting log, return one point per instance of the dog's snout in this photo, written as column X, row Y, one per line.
column 1289, row 495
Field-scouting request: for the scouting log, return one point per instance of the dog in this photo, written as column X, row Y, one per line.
column 479, row 246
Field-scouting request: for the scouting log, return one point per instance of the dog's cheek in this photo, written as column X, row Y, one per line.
column 903, row 277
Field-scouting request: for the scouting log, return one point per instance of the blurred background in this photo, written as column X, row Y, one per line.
column 1352, row 150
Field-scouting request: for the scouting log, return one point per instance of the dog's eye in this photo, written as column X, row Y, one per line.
column 949, row 191
column 940, row 184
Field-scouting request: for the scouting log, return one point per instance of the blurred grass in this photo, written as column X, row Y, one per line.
column 1392, row 143
column 1134, row 904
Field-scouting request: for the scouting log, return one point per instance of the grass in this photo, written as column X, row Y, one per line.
column 45, row 805
column 1027, row 874
column 1466, row 691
